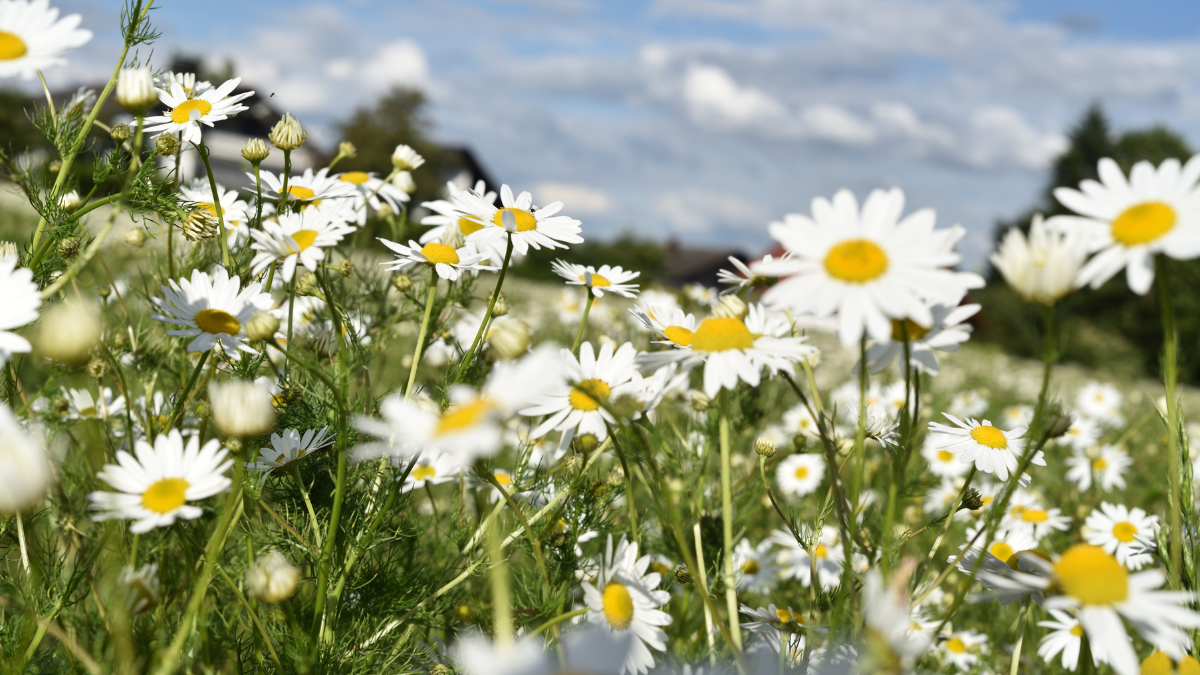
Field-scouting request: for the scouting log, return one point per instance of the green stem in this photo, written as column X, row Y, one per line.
column 412, row 372
column 587, row 308
column 216, row 195
column 501, row 598
column 291, row 317
column 634, row 530
column 470, row 355
column 283, row 190
column 262, row 631
column 187, row 388
column 1016, row 659
column 312, row 514
column 1170, row 377
column 557, row 620
column 735, row 628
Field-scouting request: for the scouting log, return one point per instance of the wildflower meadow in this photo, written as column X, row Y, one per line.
column 286, row 428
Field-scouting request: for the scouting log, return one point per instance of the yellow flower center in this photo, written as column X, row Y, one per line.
column 787, row 615
column 87, row 412
column 1092, row 576
column 458, row 418
column 1035, row 516
column 1124, row 532
column 469, row 226
column 1158, row 663
column 440, row 253
column 11, row 46
column 1143, row 223
column 356, row 177
column 423, row 472
column 717, row 334
column 1001, row 550
column 660, row 568
column 750, row 567
column 820, row 551
column 915, row 330
column 945, row 455
column 618, row 605
column 1077, row 630
column 990, row 436
column 182, row 113
column 300, row 192
column 304, row 239
column 588, row 394
column 525, row 220
column 1100, row 464
column 504, row 478
column 1016, row 557
column 856, row 261
column 679, row 335
column 802, row 472
column 165, row 495
column 597, row 280
column 956, row 645
column 216, row 321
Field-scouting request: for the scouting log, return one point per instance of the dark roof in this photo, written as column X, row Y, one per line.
column 686, row 265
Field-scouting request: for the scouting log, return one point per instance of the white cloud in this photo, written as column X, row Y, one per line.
column 999, row 134
column 713, row 98
column 699, row 211
column 832, row 123
column 577, row 199
column 401, row 62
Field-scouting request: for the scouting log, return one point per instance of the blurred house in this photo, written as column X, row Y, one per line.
column 692, row 265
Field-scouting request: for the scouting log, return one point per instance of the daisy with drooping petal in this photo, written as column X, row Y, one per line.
column 771, row 624
column 296, row 238
column 624, row 601
column 21, row 299
column 1007, row 582
column 186, row 113
column 1005, row 543
column 32, row 37
column 235, row 212
column 156, row 486
column 991, row 449
column 451, row 227
column 744, row 279
column 448, row 262
column 962, row 648
column 1116, row 528
column 1126, row 222
column 312, row 189
column 1102, row 465
column 757, row 571
column 945, row 334
column 733, row 350
column 798, row 564
column 592, row 380
column 518, row 220
column 141, row 587
column 373, row 191
column 668, row 322
column 1065, row 637
column 867, row 267
column 81, row 405
column 606, row 278
column 1043, row 267
column 1100, row 403
column 212, row 309
column 800, row 474
column 289, row 447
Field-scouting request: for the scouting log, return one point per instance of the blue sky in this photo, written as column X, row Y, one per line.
column 707, row 119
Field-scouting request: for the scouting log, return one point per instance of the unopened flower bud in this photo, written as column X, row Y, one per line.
column 440, row 669
column 8, row 248
column 135, row 89
column 261, row 326
column 272, row 578
column 69, row 248
column 135, row 237
column 346, row 269
column 233, row 445
column 306, row 284
column 699, row 402
column 501, row 306
column 625, row 406
column 255, row 151
column 141, row 588
column 97, row 368
column 70, row 201
column 405, row 159
column 402, row 282
column 55, row 166
column 972, row 500
column 683, row 575
column 508, row 338
column 1058, row 423
column 346, row 149
column 730, row 307
column 166, row 145
column 242, row 408
column 67, row 332
column 287, row 134
column 200, row 224
column 587, row 442
column 104, row 291
column 120, row 133
column 764, row 446
column 404, row 181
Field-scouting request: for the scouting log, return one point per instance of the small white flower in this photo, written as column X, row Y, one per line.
column 404, row 158
column 448, row 262
column 242, row 408
column 1042, row 267
column 290, row 446
column 592, row 382
column 800, row 474
column 185, row 112
column 970, row 403
column 212, row 309
column 798, row 564
column 24, row 469
column 991, row 449
column 296, row 239
column 606, row 278
column 1116, row 528
column 141, row 587
column 1065, row 637
column 272, row 578
column 624, row 600
column 755, row 566
column 1100, row 403
column 1102, row 465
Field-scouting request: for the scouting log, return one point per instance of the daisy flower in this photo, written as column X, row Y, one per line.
column 505, row 479
column 1017, row 415
column 1104, row 465
column 1126, row 222
column 156, row 486
column 1042, row 267
column 743, row 279
column 1027, row 513
column 473, row 425
column 771, row 623
column 296, row 238
column 962, row 648
column 701, row 294
column 432, row 468
column 757, row 571
column 991, row 449
column 451, row 227
column 185, row 114
column 607, row 278
column 970, row 403
column 185, row 80
column 235, row 212
column 945, row 334
column 624, row 601
column 81, row 405
column 867, row 267
column 1007, row 582
column 592, row 381
column 1100, row 403
column 518, row 220
column 32, row 37
column 1116, row 528
column 942, row 497
column 1005, row 543
column 797, row 563
column 212, row 309
column 289, row 447
column 1160, row 663
column 1082, row 434
column 800, row 474
column 157, row 411
column 668, row 322
column 446, row 261
column 21, row 296
column 799, row 420
column 373, row 191
column 733, row 350
column 141, row 587
column 942, row 462
column 887, row 616
column 1065, row 637
column 336, row 197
